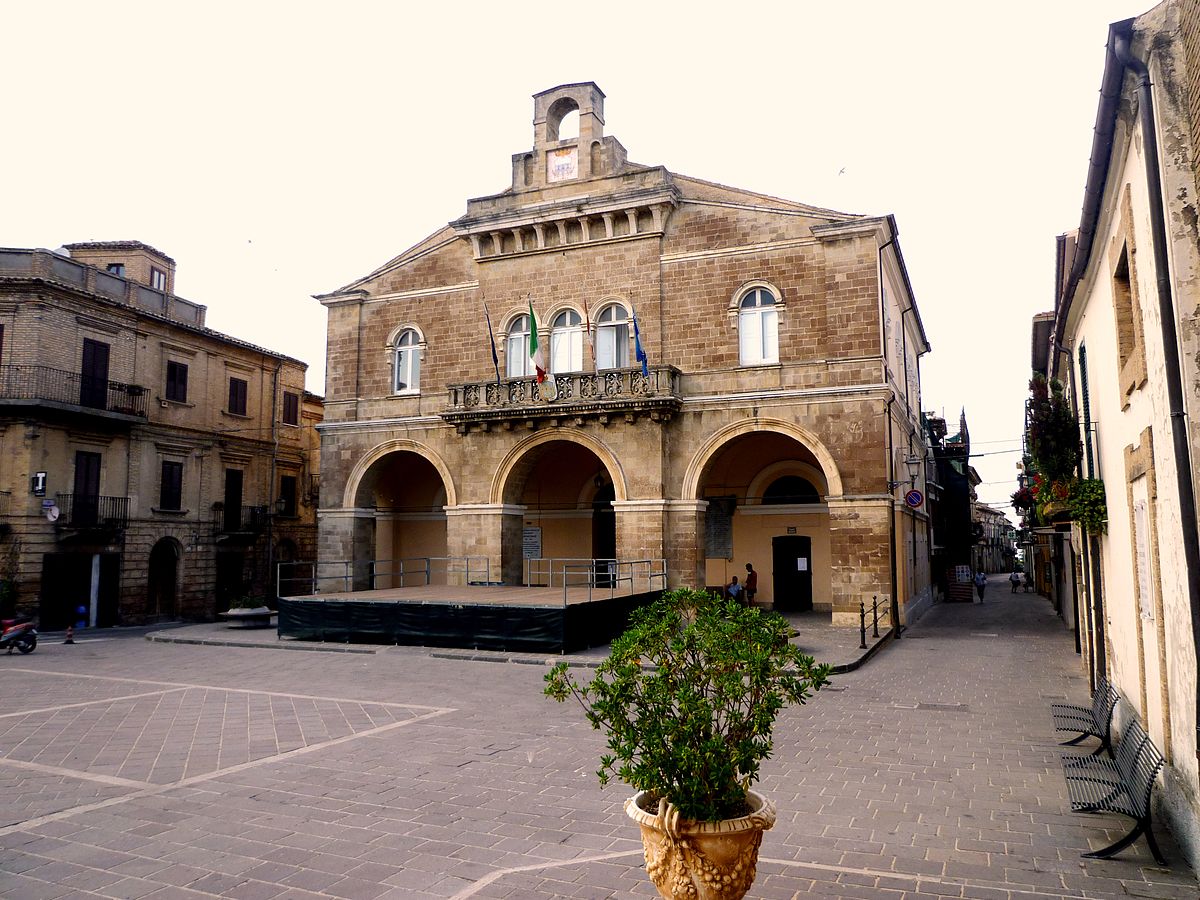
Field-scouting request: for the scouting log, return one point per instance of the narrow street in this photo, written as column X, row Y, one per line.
column 137, row 769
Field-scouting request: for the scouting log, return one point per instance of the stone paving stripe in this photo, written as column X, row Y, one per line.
column 45, row 709
column 209, row 776
column 534, row 867
column 111, row 780
column 183, row 685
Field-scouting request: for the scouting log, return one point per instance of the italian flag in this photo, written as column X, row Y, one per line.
column 536, row 353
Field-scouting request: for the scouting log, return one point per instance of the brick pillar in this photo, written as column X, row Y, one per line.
column 491, row 531
column 640, row 528
column 345, row 549
column 685, row 543
column 859, row 550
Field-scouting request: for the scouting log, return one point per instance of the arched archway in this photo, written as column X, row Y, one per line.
column 766, row 489
column 407, row 494
column 565, row 491
column 162, row 581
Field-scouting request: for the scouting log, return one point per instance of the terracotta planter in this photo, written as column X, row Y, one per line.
column 701, row 860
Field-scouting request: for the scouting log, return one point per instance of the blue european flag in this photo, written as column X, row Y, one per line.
column 638, row 352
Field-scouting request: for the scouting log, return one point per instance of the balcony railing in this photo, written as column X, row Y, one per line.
column 241, row 519
column 578, row 395
column 92, row 511
column 5, row 499
column 42, row 383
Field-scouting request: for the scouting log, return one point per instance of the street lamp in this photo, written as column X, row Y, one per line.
column 914, row 464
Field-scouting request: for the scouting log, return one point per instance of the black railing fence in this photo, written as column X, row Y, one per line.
column 92, row 511
column 45, row 383
column 241, row 518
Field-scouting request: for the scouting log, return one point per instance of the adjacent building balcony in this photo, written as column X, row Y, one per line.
column 242, row 520
column 44, row 386
column 571, row 397
column 92, row 511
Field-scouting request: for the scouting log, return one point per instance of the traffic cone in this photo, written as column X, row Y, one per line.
column 70, row 635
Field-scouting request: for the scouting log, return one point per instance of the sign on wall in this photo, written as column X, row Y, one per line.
column 531, row 543
column 718, row 527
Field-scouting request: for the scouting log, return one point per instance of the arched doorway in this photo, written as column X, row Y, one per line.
column 766, row 506
column 162, row 583
column 567, row 495
column 408, row 496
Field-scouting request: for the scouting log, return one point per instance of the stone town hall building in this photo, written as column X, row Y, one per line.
column 778, row 407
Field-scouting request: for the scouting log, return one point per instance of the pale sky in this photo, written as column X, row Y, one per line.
column 281, row 150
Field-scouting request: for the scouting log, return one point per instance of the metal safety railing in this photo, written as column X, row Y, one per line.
column 302, row 578
column 547, row 571
column 613, row 577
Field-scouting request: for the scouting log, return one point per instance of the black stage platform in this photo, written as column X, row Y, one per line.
column 514, row 619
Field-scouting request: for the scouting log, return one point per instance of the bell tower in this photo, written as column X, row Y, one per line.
column 554, row 160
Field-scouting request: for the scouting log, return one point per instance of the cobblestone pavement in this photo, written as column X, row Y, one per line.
column 131, row 768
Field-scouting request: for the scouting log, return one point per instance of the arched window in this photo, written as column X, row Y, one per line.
column 612, row 337
column 566, row 342
column 758, row 328
column 517, row 358
column 407, row 369
column 791, row 489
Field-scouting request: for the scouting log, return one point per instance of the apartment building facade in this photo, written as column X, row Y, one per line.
column 153, row 468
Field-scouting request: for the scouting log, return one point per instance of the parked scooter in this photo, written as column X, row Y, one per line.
column 19, row 633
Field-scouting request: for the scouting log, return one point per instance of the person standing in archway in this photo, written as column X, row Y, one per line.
column 751, row 584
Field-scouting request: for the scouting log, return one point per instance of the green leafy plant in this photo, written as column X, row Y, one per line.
column 688, row 698
column 1053, row 430
column 1087, row 505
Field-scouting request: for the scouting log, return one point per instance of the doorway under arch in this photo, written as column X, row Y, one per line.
column 567, row 497
column 162, row 582
column 766, row 506
column 408, row 496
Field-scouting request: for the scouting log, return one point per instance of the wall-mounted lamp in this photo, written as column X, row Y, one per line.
column 914, row 464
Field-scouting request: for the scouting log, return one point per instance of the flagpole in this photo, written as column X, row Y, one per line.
column 492, row 338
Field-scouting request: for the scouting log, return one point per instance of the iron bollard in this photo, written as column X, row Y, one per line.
column 875, row 615
column 862, row 625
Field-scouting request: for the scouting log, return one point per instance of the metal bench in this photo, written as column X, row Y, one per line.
column 1122, row 785
column 1095, row 721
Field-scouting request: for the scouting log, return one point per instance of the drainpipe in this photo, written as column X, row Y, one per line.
column 892, row 519
column 1174, row 374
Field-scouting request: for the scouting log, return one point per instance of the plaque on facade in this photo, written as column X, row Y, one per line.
column 718, row 527
column 562, row 164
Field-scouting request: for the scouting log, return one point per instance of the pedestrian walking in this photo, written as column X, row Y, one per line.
column 980, row 584
column 1028, row 582
column 1015, row 580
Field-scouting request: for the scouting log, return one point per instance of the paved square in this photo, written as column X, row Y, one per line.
column 136, row 769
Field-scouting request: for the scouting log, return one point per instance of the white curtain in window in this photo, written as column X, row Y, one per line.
column 408, row 363
column 566, row 343
column 517, row 361
column 612, row 338
column 758, row 329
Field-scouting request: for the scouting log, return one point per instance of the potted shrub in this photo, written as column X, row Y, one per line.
column 688, row 697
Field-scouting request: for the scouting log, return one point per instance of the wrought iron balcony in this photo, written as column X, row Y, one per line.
column 240, row 519
column 42, row 384
column 573, row 396
column 92, row 511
